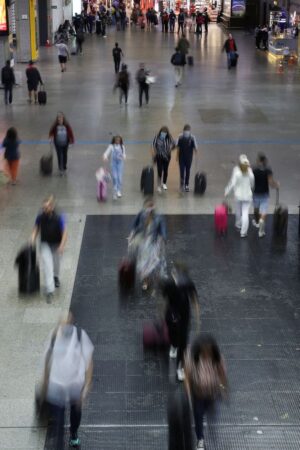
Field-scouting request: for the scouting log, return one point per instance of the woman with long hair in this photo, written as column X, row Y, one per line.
column 162, row 146
column 205, row 379
column 242, row 184
column 11, row 144
column 61, row 134
column 117, row 154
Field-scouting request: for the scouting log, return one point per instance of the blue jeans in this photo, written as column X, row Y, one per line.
column 117, row 173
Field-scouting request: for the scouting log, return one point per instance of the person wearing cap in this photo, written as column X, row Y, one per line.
column 242, row 184
column 263, row 176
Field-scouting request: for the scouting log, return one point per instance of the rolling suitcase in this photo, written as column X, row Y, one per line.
column 190, row 60
column 200, row 183
column 221, row 219
column 179, row 421
column 126, row 275
column 147, row 181
column 42, row 96
column 101, row 191
column 46, row 164
column 280, row 219
column 155, row 335
column 29, row 275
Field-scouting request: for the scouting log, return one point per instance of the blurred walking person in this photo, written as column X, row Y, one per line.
column 162, row 146
column 141, row 78
column 123, row 83
column 63, row 54
column 67, row 378
column 179, row 291
column 181, row 20
column 33, row 80
column 242, row 184
column 117, row 154
column 178, row 61
column 205, row 380
column 146, row 244
column 172, row 21
column 61, row 134
column 11, row 144
column 263, row 179
column 51, row 226
column 8, row 80
column 117, row 54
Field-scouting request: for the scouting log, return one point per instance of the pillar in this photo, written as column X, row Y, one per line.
column 26, row 30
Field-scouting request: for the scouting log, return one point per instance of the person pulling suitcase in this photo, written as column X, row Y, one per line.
column 230, row 49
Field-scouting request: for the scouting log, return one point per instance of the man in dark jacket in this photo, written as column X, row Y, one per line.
column 8, row 80
column 141, row 78
column 178, row 61
column 230, row 48
column 33, row 80
column 181, row 19
column 52, row 229
column 117, row 54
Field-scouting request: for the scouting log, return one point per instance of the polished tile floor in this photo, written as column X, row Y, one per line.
column 251, row 109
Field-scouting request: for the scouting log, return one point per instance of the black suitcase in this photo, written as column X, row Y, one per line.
column 147, row 181
column 126, row 276
column 190, row 60
column 46, row 164
column 179, row 421
column 280, row 219
column 29, row 275
column 200, row 183
column 42, row 97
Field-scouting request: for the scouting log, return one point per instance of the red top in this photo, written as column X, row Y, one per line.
column 231, row 45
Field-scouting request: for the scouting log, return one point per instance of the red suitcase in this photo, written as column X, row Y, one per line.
column 155, row 335
column 221, row 219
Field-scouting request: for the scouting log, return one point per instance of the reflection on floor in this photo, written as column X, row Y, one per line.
column 249, row 296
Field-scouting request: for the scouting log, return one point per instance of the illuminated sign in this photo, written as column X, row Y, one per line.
column 3, row 18
column 238, row 8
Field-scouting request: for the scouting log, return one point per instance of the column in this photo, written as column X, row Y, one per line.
column 26, row 30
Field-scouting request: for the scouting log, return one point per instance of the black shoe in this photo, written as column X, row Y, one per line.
column 56, row 282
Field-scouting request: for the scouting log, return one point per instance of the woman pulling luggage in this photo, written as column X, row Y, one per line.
column 61, row 134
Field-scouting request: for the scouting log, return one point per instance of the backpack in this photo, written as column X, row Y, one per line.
column 177, row 59
column 6, row 75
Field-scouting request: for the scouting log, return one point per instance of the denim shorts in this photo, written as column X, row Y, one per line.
column 261, row 202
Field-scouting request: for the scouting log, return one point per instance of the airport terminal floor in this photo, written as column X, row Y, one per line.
column 248, row 288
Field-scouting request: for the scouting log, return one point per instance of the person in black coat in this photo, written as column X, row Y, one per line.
column 8, row 81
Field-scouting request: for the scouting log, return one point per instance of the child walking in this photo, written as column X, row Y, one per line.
column 117, row 154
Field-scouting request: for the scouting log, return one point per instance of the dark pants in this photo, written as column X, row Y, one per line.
column 257, row 41
column 8, row 94
column 200, row 406
column 143, row 88
column 117, row 62
column 123, row 93
column 199, row 28
column 57, row 423
column 162, row 169
column 103, row 28
column 79, row 46
column 206, row 27
column 180, row 27
column 165, row 27
column 185, row 168
column 172, row 27
column 62, row 156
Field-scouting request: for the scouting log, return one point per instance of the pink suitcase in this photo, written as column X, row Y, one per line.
column 221, row 219
column 101, row 191
column 155, row 335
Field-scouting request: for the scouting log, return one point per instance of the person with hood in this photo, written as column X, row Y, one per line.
column 242, row 184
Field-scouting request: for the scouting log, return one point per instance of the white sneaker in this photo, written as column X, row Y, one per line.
column 173, row 352
column 180, row 374
column 261, row 231
column 200, row 444
column 165, row 187
column 255, row 224
column 243, row 235
column 119, row 194
column 159, row 189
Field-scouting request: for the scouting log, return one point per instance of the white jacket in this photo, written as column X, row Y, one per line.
column 242, row 184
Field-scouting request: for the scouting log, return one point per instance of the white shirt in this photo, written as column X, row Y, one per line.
column 68, row 365
column 62, row 49
column 115, row 151
column 242, row 184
